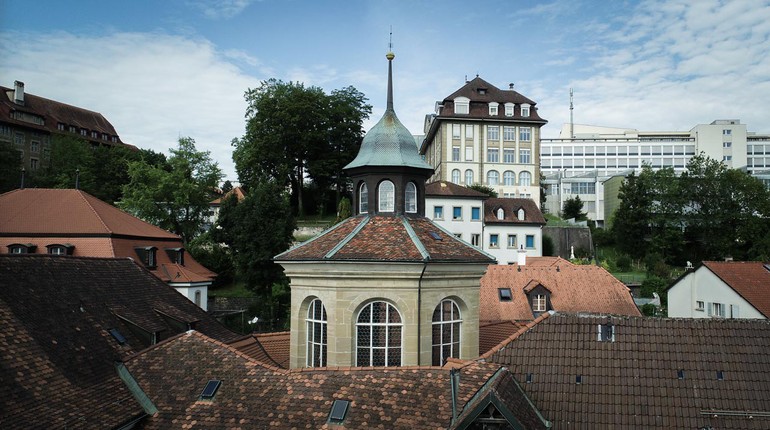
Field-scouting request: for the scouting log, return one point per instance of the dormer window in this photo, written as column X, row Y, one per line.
column 520, row 214
column 147, row 255
column 58, row 249
column 363, row 199
column 525, row 110
column 482, row 91
column 20, row 248
column 410, row 198
column 387, row 196
column 462, row 105
column 539, row 297
column 500, row 213
column 176, row 255
column 539, row 303
column 493, row 108
column 509, row 109
column 606, row 332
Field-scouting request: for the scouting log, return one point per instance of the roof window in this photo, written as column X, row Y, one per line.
column 147, row 255
column 680, row 374
column 720, row 375
column 505, row 294
column 118, row 336
column 529, row 378
column 59, row 249
column 339, row 410
column 435, row 235
column 22, row 248
column 606, row 332
column 210, row 389
column 579, row 379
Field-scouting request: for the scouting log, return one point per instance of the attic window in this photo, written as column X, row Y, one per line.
column 539, row 303
column 680, row 374
column 500, row 213
column 21, row 248
column 529, row 378
column 520, row 214
column 118, row 336
column 147, row 255
column 435, row 235
column 579, row 379
column 339, row 410
column 606, row 333
column 176, row 255
column 505, row 294
column 58, row 249
column 525, row 110
column 482, row 91
column 462, row 105
column 720, row 375
column 210, row 389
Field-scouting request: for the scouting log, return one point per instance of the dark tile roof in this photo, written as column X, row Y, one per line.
column 54, row 113
column 511, row 206
column 634, row 381
column 750, row 279
column 57, row 357
column 386, row 238
column 572, row 289
column 450, row 189
column 253, row 395
column 479, row 103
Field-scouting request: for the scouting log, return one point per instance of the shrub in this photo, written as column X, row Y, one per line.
column 623, row 263
column 548, row 248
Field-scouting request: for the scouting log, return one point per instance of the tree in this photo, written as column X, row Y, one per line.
column 484, row 189
column 573, row 208
column 175, row 199
column 10, row 167
column 227, row 187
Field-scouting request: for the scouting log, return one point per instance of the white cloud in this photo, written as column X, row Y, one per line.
column 221, row 9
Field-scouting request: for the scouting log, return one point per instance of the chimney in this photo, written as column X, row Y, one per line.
column 521, row 258
column 510, row 86
column 18, row 92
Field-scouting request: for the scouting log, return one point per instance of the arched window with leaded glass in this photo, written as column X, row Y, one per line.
column 379, row 335
column 387, row 196
column 447, row 322
column 316, row 334
column 363, row 199
column 410, row 198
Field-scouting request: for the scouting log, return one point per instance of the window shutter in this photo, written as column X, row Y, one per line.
column 734, row 311
column 710, row 308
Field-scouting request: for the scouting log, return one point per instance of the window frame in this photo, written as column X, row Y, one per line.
column 454, row 325
column 438, row 212
column 494, row 240
column 525, row 134
column 469, row 177
column 512, row 244
column 493, row 155
column 509, row 109
column 476, row 213
column 458, row 178
column 386, row 196
column 509, row 180
column 529, row 241
column 525, row 175
column 462, row 106
column 455, row 211
column 493, row 132
column 525, row 156
column 387, row 325
column 311, row 323
column 363, row 198
column 493, row 108
column 539, row 303
column 410, row 198
column 493, row 178
column 509, row 133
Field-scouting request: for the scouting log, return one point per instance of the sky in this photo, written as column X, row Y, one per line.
column 160, row 70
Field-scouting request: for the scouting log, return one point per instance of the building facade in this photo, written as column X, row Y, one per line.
column 28, row 122
column 579, row 165
column 483, row 135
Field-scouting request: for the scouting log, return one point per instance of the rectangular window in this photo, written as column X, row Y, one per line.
column 727, row 132
column 455, row 153
column 538, row 303
column 727, row 158
column 509, row 156
column 459, row 235
column 512, row 241
column 18, row 138
column 438, row 212
column 33, row 164
column 699, row 306
column 716, row 310
column 475, row 239
column 476, row 214
column 508, row 110
column 727, row 144
column 469, row 131
column 34, row 146
column 493, row 132
column 525, row 111
column 494, row 241
column 468, row 153
column 509, row 133
column 492, row 110
column 457, row 213
column 461, row 108
column 525, row 134
column 530, row 241
column 455, row 131
column 493, row 155
column 524, row 156
column 505, row 294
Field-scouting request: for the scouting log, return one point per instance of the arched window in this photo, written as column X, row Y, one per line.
column 500, row 213
column 316, row 334
column 363, row 199
column 509, row 178
column 521, row 214
column 493, row 177
column 410, row 198
column 525, row 179
column 378, row 335
column 469, row 177
column 198, row 298
column 387, row 196
column 456, row 176
column 446, row 331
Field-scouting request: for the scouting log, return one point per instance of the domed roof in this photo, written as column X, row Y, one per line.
column 389, row 143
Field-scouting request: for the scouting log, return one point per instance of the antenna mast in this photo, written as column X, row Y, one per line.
column 571, row 120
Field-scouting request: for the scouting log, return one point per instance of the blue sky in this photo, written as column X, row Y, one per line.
column 160, row 70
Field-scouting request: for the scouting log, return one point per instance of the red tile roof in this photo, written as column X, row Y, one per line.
column 386, row 238
column 573, row 289
column 449, row 189
column 633, row 381
column 492, row 333
column 253, row 395
column 510, row 207
column 239, row 194
column 750, row 279
column 267, row 348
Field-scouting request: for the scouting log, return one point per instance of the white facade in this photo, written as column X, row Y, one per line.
column 511, row 238
column 702, row 294
column 196, row 293
column 469, row 226
column 593, row 154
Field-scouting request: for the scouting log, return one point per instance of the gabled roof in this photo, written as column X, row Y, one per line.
column 35, row 211
column 572, row 289
column 386, row 238
column 750, row 279
column 511, row 206
column 268, row 348
column 253, row 395
column 634, row 381
column 450, row 189
column 491, row 93
column 57, row 356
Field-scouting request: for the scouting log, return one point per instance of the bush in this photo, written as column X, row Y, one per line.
column 649, row 310
column 623, row 263
column 602, row 237
column 548, row 248
column 653, row 284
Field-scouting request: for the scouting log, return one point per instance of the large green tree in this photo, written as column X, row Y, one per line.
column 10, row 167
column 175, row 198
column 573, row 209
column 294, row 132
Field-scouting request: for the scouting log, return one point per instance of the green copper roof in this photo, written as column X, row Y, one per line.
column 389, row 143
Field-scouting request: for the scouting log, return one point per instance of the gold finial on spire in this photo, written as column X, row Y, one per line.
column 390, row 55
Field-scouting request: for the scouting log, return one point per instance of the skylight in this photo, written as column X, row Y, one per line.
column 505, row 294
column 339, row 410
column 118, row 336
column 435, row 235
column 210, row 389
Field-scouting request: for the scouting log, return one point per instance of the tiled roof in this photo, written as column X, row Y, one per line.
column 54, row 113
column 450, row 189
column 239, row 194
column 750, row 279
column 268, row 348
column 510, row 207
column 57, row 357
column 573, row 289
column 634, row 381
column 479, row 105
column 492, row 333
column 253, row 395
column 386, row 238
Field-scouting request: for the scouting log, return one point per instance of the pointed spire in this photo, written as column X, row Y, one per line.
column 390, row 56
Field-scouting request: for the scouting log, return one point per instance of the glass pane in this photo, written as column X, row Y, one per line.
column 316, row 355
column 364, row 336
column 378, row 335
column 437, row 356
column 365, row 315
column 447, row 310
column 446, row 351
column 456, row 332
column 317, row 332
column 394, row 357
column 378, row 357
column 437, row 314
column 436, row 334
column 446, row 335
column 456, row 350
column 363, row 357
column 379, row 312
column 394, row 336
column 393, row 316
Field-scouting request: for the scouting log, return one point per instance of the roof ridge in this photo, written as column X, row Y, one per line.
column 511, row 338
column 347, row 238
column 80, row 194
column 415, row 240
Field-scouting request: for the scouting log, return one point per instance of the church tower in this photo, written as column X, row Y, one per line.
column 387, row 286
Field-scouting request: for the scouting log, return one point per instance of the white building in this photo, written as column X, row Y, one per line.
column 729, row 289
column 578, row 164
column 498, row 226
